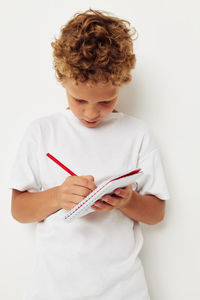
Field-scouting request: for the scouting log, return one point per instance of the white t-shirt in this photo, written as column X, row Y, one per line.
column 96, row 255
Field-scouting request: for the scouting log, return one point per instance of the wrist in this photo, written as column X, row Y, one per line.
column 56, row 197
column 131, row 203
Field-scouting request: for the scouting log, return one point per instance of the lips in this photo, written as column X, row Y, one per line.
column 91, row 122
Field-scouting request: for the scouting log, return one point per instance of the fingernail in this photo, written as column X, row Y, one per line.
column 106, row 198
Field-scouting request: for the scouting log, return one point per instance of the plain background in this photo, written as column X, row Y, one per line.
column 164, row 91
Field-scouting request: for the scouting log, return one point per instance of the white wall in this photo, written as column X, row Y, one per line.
column 164, row 92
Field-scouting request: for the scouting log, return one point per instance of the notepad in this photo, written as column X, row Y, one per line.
column 106, row 187
column 122, row 179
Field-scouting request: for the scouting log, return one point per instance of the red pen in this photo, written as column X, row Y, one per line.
column 60, row 164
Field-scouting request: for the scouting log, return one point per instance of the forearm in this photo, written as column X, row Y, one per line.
column 145, row 208
column 32, row 207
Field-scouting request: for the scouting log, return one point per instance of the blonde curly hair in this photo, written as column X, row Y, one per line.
column 94, row 47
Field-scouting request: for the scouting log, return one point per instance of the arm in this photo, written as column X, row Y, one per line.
column 35, row 207
column 145, row 208
column 29, row 207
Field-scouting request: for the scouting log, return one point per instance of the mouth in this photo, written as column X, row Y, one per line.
column 91, row 122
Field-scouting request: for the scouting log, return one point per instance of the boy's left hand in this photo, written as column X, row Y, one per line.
column 114, row 200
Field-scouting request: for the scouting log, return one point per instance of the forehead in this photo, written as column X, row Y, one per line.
column 98, row 92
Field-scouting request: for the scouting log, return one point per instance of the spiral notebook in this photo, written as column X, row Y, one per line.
column 121, row 179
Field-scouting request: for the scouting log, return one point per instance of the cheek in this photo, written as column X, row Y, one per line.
column 106, row 111
column 109, row 107
column 78, row 111
column 75, row 106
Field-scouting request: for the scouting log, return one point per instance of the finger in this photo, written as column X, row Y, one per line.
column 119, row 192
column 123, row 192
column 114, row 201
column 85, row 182
column 102, row 205
column 76, row 199
column 96, row 207
column 80, row 190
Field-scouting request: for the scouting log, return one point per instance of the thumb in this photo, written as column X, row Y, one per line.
column 90, row 177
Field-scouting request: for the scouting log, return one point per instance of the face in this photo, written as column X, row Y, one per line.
column 91, row 104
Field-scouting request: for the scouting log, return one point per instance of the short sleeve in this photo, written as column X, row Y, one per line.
column 24, row 173
column 153, row 179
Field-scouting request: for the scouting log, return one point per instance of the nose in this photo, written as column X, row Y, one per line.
column 91, row 114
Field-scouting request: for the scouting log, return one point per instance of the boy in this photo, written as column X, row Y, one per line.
column 96, row 255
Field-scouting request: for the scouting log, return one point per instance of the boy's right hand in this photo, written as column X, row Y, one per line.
column 73, row 190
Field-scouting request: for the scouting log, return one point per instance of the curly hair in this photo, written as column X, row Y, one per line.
column 94, row 47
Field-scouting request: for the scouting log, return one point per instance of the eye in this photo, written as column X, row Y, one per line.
column 106, row 102
column 83, row 101
column 79, row 101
